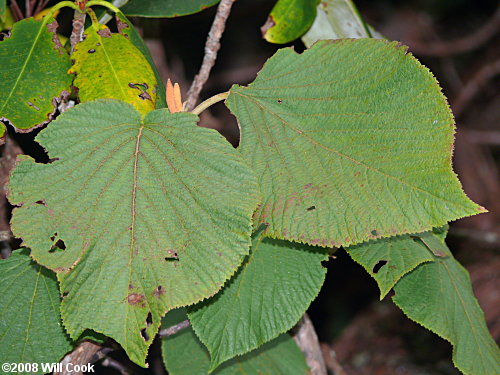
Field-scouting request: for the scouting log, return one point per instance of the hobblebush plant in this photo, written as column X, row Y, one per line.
column 140, row 212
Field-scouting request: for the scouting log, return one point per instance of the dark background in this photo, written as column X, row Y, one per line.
column 368, row 336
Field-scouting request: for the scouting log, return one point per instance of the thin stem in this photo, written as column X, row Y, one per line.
column 93, row 18
column 210, row 101
column 16, row 11
column 174, row 329
column 105, row 4
column 78, row 28
column 106, row 17
column 212, row 46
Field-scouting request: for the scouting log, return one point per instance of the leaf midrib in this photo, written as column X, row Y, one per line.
column 23, row 68
column 342, row 155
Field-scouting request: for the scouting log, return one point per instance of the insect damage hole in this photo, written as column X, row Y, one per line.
column 58, row 246
column 149, row 319
column 379, row 265
column 144, row 334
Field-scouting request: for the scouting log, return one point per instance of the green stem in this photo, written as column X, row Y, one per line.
column 58, row 6
column 103, row 4
column 210, row 101
column 93, row 17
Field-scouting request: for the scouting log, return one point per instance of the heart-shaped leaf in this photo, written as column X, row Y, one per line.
column 351, row 140
column 128, row 212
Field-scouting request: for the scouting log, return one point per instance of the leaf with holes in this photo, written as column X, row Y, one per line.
column 109, row 66
column 34, row 74
column 127, row 28
column 351, row 141
column 438, row 295
column 29, row 307
column 269, row 294
column 184, row 354
column 172, row 8
column 128, row 212
column 388, row 259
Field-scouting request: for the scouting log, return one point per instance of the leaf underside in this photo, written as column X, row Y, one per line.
column 109, row 66
column 29, row 307
column 34, row 74
column 439, row 296
column 172, row 8
column 388, row 259
column 184, row 354
column 269, row 294
column 335, row 19
column 129, row 212
column 351, row 141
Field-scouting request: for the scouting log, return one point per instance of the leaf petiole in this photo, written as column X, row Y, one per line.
column 210, row 101
column 103, row 4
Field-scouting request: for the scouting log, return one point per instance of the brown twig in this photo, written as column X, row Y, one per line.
column 474, row 85
column 307, row 340
column 331, row 360
column 10, row 151
column 110, row 362
column 78, row 28
column 211, row 48
column 16, row 11
column 174, row 329
column 40, row 6
column 85, row 353
column 453, row 47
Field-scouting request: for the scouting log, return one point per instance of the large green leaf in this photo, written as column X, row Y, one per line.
column 184, row 354
column 127, row 28
column 289, row 19
column 171, row 8
column 30, row 327
column 438, row 295
column 388, row 259
column 268, row 296
column 336, row 19
column 351, row 140
column 129, row 212
column 109, row 66
column 34, row 74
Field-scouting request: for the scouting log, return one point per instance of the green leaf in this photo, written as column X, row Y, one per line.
column 438, row 295
column 388, row 259
column 172, row 8
column 129, row 212
column 336, row 19
column 289, row 19
column 3, row 9
column 34, row 74
column 269, row 294
column 184, row 354
column 351, row 141
column 30, row 328
column 110, row 66
column 127, row 28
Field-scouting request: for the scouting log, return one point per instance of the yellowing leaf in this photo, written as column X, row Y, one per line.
column 109, row 66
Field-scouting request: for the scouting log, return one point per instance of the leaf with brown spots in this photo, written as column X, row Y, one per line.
column 137, row 203
column 109, row 66
column 357, row 129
